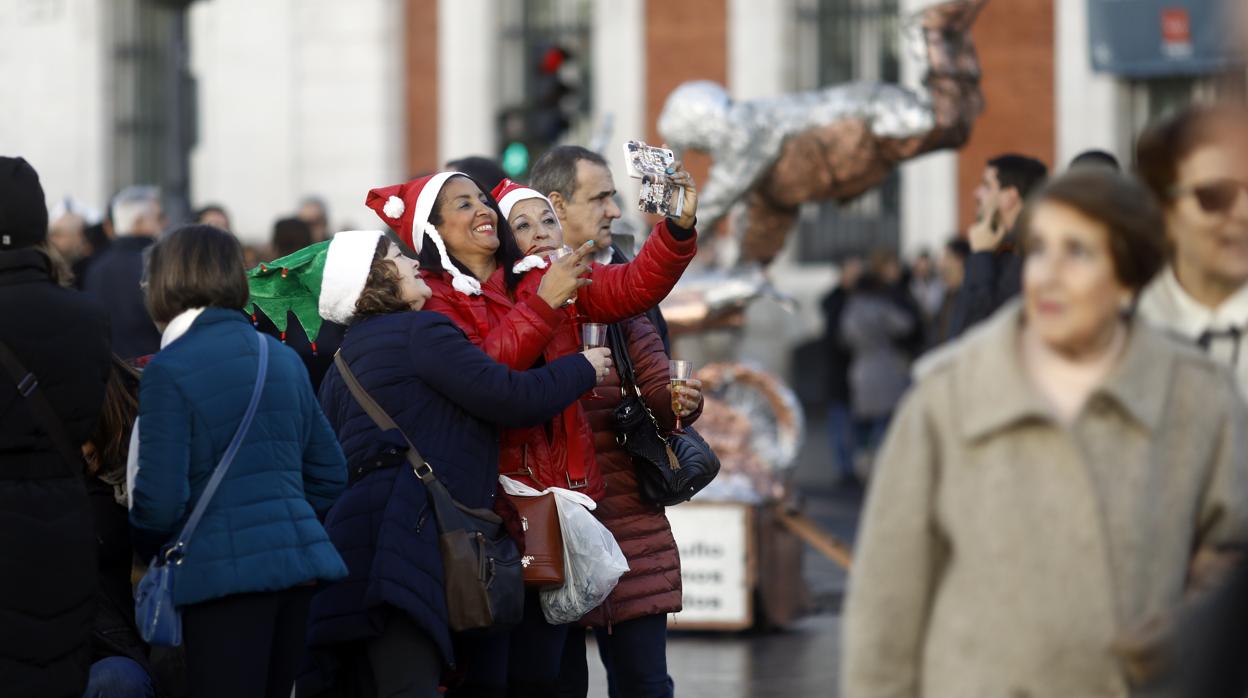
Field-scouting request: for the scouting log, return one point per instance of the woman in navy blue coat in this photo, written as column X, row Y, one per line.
column 247, row 577
column 386, row 624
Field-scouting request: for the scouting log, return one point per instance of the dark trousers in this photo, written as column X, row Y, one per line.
column 841, row 436
column 525, row 662
column 634, row 654
column 246, row 645
column 405, row 662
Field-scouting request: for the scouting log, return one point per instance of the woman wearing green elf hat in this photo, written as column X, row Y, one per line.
column 382, row 630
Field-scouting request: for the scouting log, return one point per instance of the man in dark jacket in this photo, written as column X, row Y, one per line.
column 47, row 547
column 114, row 279
column 582, row 192
column 994, row 269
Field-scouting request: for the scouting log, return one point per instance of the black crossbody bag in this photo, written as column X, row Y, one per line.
column 670, row 468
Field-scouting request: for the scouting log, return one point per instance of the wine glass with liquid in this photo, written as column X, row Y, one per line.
column 680, row 373
column 557, row 255
column 593, row 335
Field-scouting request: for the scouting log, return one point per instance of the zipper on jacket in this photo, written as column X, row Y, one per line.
column 481, row 554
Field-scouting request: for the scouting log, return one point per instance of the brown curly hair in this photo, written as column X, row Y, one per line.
column 383, row 291
column 111, row 440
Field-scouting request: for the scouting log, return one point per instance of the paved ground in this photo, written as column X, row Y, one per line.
column 800, row 661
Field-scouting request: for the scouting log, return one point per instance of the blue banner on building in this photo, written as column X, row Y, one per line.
column 1154, row 38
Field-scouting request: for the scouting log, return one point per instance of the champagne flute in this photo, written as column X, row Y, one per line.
column 555, row 256
column 593, row 335
column 680, row 372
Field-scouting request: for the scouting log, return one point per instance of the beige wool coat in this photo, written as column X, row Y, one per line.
column 1001, row 553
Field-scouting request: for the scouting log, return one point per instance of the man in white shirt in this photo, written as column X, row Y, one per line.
column 1196, row 162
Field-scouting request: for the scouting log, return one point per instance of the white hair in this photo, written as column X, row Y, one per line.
column 132, row 204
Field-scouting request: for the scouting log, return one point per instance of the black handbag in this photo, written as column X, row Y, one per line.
column 482, row 575
column 671, row 468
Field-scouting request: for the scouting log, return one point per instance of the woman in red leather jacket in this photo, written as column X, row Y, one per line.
column 515, row 307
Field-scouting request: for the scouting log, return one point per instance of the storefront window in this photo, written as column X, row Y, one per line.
column 847, row 41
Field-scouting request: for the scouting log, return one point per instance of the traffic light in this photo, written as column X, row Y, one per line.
column 556, row 95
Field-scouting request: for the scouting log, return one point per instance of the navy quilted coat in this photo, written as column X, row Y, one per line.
column 449, row 398
column 261, row 531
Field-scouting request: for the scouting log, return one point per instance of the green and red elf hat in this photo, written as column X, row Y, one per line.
column 320, row 282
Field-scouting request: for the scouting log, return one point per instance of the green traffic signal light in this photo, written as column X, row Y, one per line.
column 515, row 159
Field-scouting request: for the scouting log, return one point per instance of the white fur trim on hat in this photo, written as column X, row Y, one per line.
column 394, row 207
column 517, row 195
column 347, row 263
column 429, row 194
column 459, row 280
column 529, row 262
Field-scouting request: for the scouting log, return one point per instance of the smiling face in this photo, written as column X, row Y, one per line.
column 467, row 225
column 535, row 226
column 412, row 288
column 1210, row 244
column 1072, row 293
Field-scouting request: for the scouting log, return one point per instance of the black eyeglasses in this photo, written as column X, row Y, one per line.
column 1218, row 196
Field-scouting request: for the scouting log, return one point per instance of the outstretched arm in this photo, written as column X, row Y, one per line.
column 620, row 291
column 490, row 391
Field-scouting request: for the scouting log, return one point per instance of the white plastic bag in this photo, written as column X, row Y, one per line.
column 592, row 561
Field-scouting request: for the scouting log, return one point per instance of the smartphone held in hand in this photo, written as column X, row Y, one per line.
column 659, row 195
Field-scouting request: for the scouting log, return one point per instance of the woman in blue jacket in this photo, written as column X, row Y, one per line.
column 384, row 628
column 247, row 577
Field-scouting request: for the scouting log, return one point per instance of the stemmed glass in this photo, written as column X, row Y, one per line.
column 680, row 372
column 593, row 335
column 557, row 255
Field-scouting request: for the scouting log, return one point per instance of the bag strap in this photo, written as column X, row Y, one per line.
column 623, row 362
column 628, row 377
column 28, row 388
column 379, row 416
column 179, row 547
column 443, row 503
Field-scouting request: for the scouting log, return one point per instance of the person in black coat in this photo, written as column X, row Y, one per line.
column 115, row 277
column 48, row 575
column 119, row 657
column 383, row 630
column 994, row 268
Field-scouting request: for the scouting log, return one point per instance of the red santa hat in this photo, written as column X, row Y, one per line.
column 509, row 193
column 407, row 207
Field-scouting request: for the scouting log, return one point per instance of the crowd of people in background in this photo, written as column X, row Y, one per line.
column 315, row 561
column 1048, row 413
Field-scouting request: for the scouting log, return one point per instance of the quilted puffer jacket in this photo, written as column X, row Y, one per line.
column 521, row 330
column 260, row 532
column 651, row 586
column 447, row 396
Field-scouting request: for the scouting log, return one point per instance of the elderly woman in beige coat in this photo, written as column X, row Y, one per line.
column 1049, row 481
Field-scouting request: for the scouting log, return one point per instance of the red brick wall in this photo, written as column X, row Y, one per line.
column 421, row 63
column 1015, row 42
column 685, row 40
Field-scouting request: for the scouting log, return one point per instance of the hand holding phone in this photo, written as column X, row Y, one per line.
column 660, row 193
column 987, row 233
